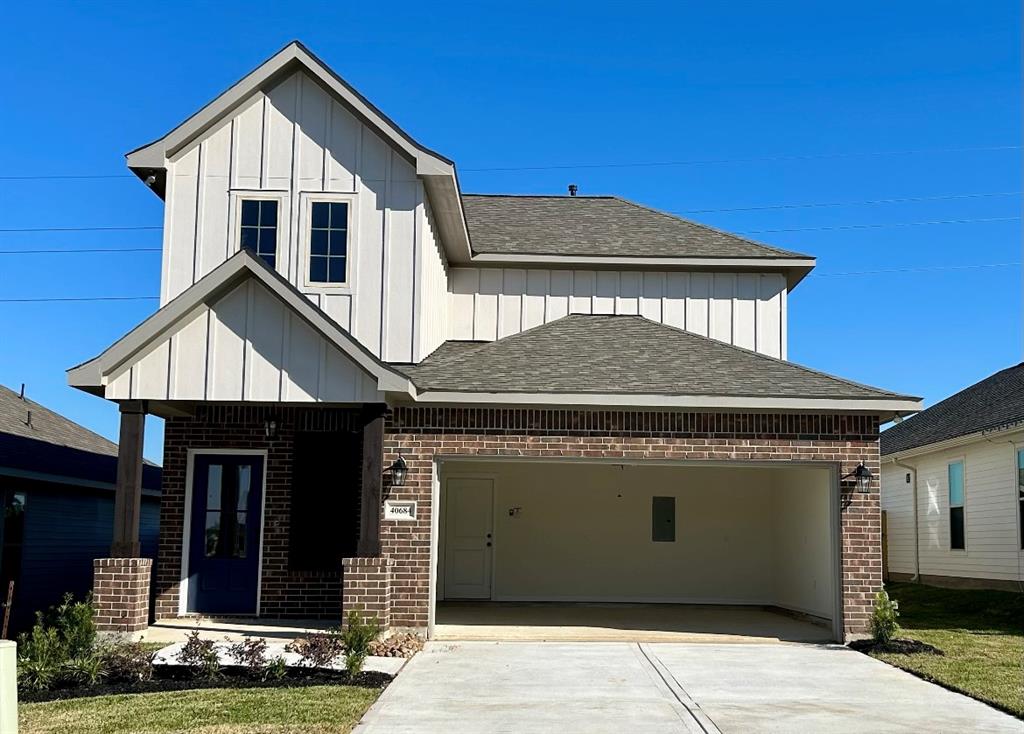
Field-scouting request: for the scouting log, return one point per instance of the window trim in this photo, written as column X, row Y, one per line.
column 306, row 201
column 1018, row 456
column 235, row 198
column 962, row 460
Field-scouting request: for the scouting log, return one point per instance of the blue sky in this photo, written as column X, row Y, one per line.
column 799, row 98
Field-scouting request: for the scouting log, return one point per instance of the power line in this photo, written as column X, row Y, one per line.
column 752, row 159
column 881, row 226
column 79, row 300
column 925, row 269
column 66, row 177
column 79, row 229
column 810, row 205
column 77, row 250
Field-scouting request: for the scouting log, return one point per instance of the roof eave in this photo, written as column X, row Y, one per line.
column 949, row 443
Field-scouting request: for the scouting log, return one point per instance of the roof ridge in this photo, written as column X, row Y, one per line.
column 566, row 197
column 676, row 217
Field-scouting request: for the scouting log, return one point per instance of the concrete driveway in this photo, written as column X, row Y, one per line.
column 455, row 687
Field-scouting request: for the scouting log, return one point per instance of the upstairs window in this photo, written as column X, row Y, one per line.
column 259, row 228
column 957, row 534
column 328, row 242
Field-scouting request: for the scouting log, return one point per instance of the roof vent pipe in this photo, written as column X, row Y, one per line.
column 573, row 188
column 22, row 393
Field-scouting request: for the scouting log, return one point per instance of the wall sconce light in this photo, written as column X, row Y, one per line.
column 270, row 429
column 399, row 471
column 863, row 476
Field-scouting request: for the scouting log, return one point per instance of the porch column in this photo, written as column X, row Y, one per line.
column 128, row 492
column 372, row 480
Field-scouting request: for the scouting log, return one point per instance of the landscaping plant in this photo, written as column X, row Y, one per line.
column 130, row 662
column 85, row 670
column 251, row 654
column 357, row 637
column 63, row 632
column 884, row 626
column 318, row 650
column 200, row 656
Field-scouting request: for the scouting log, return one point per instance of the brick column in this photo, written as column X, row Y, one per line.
column 120, row 594
column 367, row 588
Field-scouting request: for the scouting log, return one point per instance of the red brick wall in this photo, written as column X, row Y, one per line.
column 422, row 434
column 285, row 593
column 368, row 588
column 120, row 594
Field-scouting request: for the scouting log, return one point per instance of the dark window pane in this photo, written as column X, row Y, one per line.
column 318, row 242
column 956, row 528
column 270, row 260
column 268, row 213
column 339, row 216
column 338, row 241
column 336, row 270
column 212, row 533
column 663, row 519
column 250, row 237
column 240, row 535
column 268, row 241
column 250, row 213
column 244, row 480
column 321, row 214
column 214, row 481
column 14, row 519
column 318, row 269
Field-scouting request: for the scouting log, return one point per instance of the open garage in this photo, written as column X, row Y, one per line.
column 596, row 550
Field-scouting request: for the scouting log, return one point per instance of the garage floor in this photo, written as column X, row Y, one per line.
column 538, row 622
column 606, row 688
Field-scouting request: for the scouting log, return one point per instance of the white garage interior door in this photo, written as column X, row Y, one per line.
column 530, row 531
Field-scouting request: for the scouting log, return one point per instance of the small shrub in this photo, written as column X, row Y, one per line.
column 61, row 633
column 276, row 669
column 356, row 637
column 36, row 675
column 251, row 654
column 883, row 618
column 318, row 650
column 87, row 670
column 128, row 662
column 200, row 655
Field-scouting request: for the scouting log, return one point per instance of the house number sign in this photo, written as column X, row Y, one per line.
column 400, row 510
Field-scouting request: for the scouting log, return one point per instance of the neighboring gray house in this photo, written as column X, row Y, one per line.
column 953, row 488
column 383, row 394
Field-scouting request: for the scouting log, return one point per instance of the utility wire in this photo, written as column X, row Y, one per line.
column 881, row 226
column 77, row 250
column 78, row 300
column 752, row 159
column 79, row 229
column 811, row 205
column 645, row 164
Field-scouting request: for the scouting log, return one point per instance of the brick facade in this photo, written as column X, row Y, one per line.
column 423, row 435
column 367, row 588
column 120, row 594
column 285, row 593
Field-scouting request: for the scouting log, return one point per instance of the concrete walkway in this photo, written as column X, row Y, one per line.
column 455, row 687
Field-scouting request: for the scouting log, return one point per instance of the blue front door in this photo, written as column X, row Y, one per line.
column 224, row 552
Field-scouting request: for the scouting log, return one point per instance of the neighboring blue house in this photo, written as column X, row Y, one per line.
column 57, row 493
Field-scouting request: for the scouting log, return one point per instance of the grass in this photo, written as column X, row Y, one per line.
column 312, row 710
column 980, row 632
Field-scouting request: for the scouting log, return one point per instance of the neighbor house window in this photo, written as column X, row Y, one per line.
column 259, row 228
column 12, row 536
column 328, row 242
column 956, row 505
column 1020, row 494
column 663, row 519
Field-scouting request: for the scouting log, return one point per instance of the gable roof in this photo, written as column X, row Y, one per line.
column 605, row 228
column 995, row 402
column 53, row 445
column 632, row 356
column 437, row 171
column 95, row 374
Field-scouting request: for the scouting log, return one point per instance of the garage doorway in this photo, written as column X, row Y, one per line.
column 577, row 549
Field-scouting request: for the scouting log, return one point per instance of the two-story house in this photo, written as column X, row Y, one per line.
column 384, row 394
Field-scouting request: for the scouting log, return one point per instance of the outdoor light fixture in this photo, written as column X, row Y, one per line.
column 863, row 476
column 270, row 428
column 399, row 470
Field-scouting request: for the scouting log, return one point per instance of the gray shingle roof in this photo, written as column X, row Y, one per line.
column 604, row 226
column 622, row 355
column 994, row 402
column 47, row 425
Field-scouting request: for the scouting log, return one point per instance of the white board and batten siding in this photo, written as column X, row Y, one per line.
column 291, row 143
column 990, row 512
column 246, row 346
column 745, row 309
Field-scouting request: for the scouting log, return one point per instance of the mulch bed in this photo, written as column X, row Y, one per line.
column 903, row 647
column 180, row 678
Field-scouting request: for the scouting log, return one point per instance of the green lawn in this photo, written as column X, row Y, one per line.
column 981, row 632
column 312, row 710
